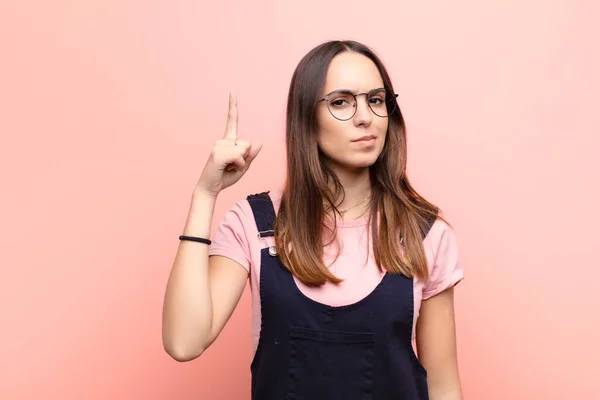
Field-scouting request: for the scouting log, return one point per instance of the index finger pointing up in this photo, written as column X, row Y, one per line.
column 232, row 118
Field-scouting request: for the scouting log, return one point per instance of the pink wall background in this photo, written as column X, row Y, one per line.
column 108, row 110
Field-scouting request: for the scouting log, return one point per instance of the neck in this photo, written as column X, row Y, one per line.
column 357, row 187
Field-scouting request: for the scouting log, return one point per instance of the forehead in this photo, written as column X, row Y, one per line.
column 352, row 71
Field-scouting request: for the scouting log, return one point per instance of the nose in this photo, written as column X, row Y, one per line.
column 363, row 115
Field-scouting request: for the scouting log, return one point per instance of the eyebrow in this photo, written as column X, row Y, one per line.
column 351, row 91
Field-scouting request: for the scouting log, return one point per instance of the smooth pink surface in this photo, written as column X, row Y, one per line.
column 108, row 111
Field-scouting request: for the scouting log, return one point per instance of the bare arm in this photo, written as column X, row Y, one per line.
column 202, row 293
column 436, row 345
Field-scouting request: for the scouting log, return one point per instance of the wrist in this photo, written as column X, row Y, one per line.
column 200, row 215
column 203, row 195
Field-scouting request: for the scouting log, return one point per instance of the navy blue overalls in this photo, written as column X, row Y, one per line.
column 312, row 351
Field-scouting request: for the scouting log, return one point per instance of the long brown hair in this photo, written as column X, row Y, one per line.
column 402, row 215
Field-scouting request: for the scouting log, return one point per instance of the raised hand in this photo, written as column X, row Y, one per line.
column 230, row 157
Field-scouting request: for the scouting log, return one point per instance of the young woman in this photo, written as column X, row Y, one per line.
column 347, row 263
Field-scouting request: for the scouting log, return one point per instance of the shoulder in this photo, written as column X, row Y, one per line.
column 442, row 251
column 236, row 234
column 241, row 211
column 439, row 233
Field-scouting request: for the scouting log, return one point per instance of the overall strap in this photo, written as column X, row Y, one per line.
column 264, row 213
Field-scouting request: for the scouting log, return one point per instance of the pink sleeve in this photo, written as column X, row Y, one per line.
column 445, row 271
column 230, row 240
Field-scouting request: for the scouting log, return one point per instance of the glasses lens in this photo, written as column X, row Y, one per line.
column 382, row 103
column 342, row 105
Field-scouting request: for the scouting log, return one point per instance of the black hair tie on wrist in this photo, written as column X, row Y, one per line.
column 195, row 239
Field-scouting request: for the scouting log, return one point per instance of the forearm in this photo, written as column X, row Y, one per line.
column 451, row 394
column 445, row 384
column 187, row 310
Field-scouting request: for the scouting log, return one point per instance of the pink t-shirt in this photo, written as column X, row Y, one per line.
column 237, row 239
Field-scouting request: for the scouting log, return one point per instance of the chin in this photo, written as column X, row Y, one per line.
column 358, row 163
column 364, row 164
column 353, row 161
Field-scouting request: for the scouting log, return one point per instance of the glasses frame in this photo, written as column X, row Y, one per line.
column 389, row 98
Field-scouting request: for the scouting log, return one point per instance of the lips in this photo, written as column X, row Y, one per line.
column 365, row 138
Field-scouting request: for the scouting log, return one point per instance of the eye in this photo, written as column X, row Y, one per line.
column 338, row 102
column 376, row 100
column 341, row 100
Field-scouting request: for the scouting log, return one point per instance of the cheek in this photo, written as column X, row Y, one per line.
column 381, row 125
column 381, row 128
column 330, row 133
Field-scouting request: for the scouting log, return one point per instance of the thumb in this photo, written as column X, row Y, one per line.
column 253, row 152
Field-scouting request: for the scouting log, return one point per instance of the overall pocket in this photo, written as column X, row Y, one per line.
column 330, row 365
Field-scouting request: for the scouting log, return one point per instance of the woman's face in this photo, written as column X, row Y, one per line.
column 357, row 142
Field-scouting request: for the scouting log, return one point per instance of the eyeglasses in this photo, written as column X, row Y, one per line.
column 342, row 103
